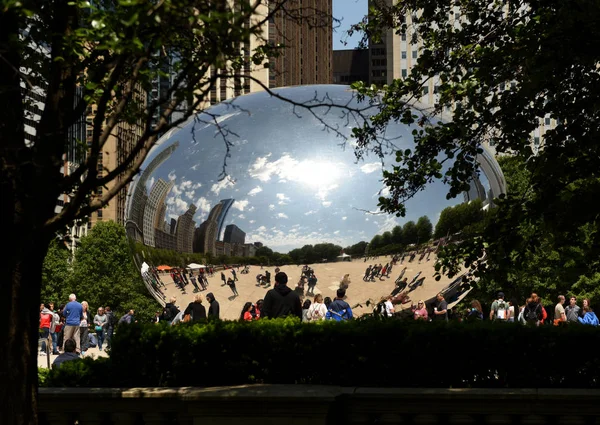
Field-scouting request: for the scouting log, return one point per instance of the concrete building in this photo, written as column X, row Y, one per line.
column 350, row 66
column 153, row 212
column 234, row 235
column 185, row 230
column 136, row 203
column 396, row 55
column 307, row 36
column 206, row 236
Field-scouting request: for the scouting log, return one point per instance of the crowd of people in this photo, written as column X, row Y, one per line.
column 70, row 324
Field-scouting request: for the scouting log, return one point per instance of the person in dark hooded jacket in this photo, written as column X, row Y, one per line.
column 281, row 301
column 214, row 308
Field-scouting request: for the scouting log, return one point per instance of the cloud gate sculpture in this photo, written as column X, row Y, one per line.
column 259, row 171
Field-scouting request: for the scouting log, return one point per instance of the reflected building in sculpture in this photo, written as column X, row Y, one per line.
column 154, row 211
column 185, row 230
column 206, row 236
column 234, row 234
column 137, row 201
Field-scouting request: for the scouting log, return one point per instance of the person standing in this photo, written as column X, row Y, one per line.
column 111, row 322
column 440, row 311
column 231, row 284
column 46, row 319
column 84, row 327
column 100, row 322
column 194, row 284
column 281, row 301
column 339, row 309
column 235, row 278
column 54, row 328
column 559, row 311
column 213, row 308
column 195, row 309
column 572, row 311
column 224, row 279
column 499, row 309
column 73, row 313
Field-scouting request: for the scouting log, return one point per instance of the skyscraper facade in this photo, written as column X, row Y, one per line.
column 234, row 235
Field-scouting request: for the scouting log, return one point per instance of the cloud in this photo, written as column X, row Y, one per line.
column 240, row 205
column 344, row 218
column 326, row 204
column 254, row 191
column 323, row 191
column 370, row 167
column 220, row 185
column 271, row 207
column 283, row 241
column 282, row 215
column 252, row 221
column 310, row 212
column 282, row 199
column 172, row 175
column 389, row 222
column 203, row 204
column 242, row 216
column 337, row 232
column 190, row 194
column 175, row 207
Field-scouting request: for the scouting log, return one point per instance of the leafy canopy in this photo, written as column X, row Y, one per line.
column 502, row 69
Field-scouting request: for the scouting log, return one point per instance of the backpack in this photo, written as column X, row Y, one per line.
column 532, row 315
column 337, row 316
column 167, row 314
column 501, row 310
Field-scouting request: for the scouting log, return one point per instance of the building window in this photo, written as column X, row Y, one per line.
column 404, row 37
column 425, row 90
column 404, row 55
column 404, row 73
column 547, row 121
column 536, row 141
column 414, row 54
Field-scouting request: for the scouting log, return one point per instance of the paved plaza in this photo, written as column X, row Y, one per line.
column 329, row 276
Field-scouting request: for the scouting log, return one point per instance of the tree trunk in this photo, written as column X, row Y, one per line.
column 22, row 209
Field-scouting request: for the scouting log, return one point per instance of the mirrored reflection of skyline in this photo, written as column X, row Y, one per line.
column 289, row 182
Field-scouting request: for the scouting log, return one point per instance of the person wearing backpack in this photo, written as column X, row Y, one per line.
column 532, row 312
column 499, row 310
column 339, row 309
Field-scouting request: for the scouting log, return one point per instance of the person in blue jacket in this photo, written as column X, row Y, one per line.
column 589, row 317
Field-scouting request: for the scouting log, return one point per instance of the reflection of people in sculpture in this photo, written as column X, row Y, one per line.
column 419, row 311
column 400, row 286
column 399, row 279
column 416, row 284
column 345, row 281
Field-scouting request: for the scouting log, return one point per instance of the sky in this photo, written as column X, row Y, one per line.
column 349, row 12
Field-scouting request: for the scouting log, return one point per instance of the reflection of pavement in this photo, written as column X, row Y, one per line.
column 328, row 273
column 92, row 352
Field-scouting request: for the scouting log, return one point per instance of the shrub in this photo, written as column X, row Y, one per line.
column 386, row 353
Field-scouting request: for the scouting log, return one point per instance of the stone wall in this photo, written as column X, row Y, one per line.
column 315, row 405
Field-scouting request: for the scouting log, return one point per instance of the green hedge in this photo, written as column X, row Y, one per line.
column 388, row 353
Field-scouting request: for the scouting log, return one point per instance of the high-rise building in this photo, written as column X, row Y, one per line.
column 185, row 230
column 134, row 222
column 234, row 235
column 226, row 205
column 396, row 55
column 154, row 213
column 350, row 66
column 305, row 29
column 34, row 89
column 207, row 235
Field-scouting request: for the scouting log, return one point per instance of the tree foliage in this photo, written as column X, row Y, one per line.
column 501, row 69
column 56, row 274
column 103, row 273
